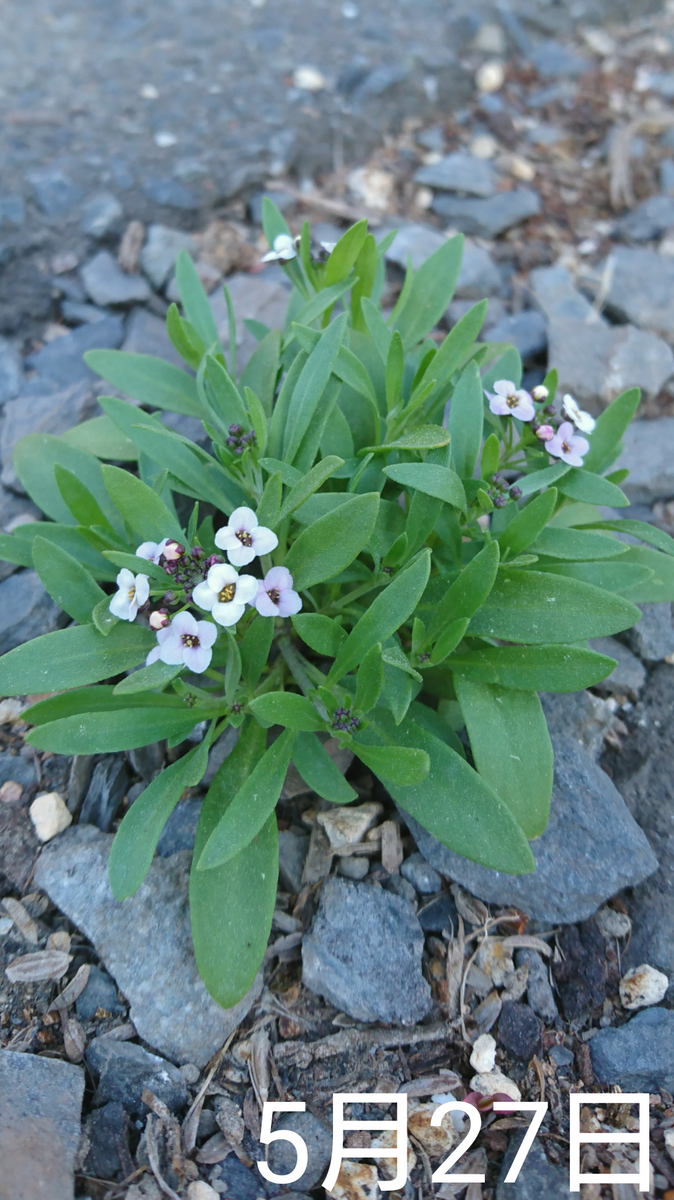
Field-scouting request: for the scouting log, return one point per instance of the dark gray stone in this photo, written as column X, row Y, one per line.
column 180, row 830
column 12, row 211
column 234, row 1181
column 642, row 288
column 519, row 1031
column 479, row 276
column 628, row 677
column 145, row 943
column 26, row 610
column 650, row 219
column 540, row 996
column 147, row 761
column 639, row 1056
column 552, row 60
column 107, row 284
column 106, row 1129
column 560, row 1056
column 440, row 914
column 17, row 767
column 100, row 215
column 171, row 194
column 578, row 715
column 61, row 360
column 538, row 1177
column 596, row 361
column 106, row 792
column 50, row 411
column 124, row 1069
column 652, row 638
column 158, row 256
column 292, row 851
column 458, row 308
column 667, row 177
column 526, row 331
column 401, row 887
column 363, row 954
column 40, row 1104
column 55, row 192
column 11, row 371
column 146, row 334
column 591, row 848
column 488, row 218
column 555, row 294
column 282, row 200
column 649, row 456
column 414, row 242
column 460, row 172
column 545, row 134
column 100, row 992
column 79, row 778
column 318, row 1138
column 81, row 314
column 421, row 875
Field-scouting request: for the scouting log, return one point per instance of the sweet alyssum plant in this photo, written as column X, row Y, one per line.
column 344, row 560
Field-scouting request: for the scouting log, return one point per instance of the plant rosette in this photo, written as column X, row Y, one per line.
column 342, row 561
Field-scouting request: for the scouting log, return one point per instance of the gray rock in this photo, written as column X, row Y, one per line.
column 488, row 218
column 12, row 211
column 100, row 992
column 578, row 715
column 254, row 298
column 526, row 331
column 124, row 1069
column 667, row 177
column 540, row 996
column 282, row 200
column 353, row 867
column 100, row 215
column 81, row 314
column 145, row 943
column 545, row 134
column 11, row 371
column 421, row 875
column 591, row 848
column 552, row 60
column 641, row 288
column 292, row 852
column 52, row 411
column 16, row 767
column 650, row 219
column 413, row 241
column 107, row 284
column 40, row 1104
column 458, row 308
column 401, row 887
column 106, row 792
column 555, row 294
column 147, row 761
column 318, row 1139
column 61, row 360
column 628, row 677
column 537, row 1178
column 431, row 139
column 159, row 254
column 180, row 830
column 460, row 172
column 55, row 192
column 639, row 1056
column 146, row 334
column 479, row 276
column 437, row 915
column 218, row 753
column 560, row 1056
column 596, row 361
column 26, row 610
column 649, row 456
column 171, row 194
column 106, row 1130
column 363, row 954
column 519, row 1030
column 235, row 1182
column 652, row 638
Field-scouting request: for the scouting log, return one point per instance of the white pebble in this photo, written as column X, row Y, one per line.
column 201, row 1191
column 189, row 1072
column 484, row 146
column 308, row 79
column 491, row 1082
column 642, row 986
column 483, row 1056
column 10, row 710
column 164, row 139
column 5, row 925
column 49, row 815
column 490, row 77
column 669, row 1142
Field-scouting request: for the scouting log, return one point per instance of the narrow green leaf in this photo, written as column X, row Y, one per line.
column 367, row 269
column 370, row 679
column 133, row 562
column 66, row 580
column 327, row 547
column 640, row 529
column 83, row 506
column 466, row 417
column 140, row 506
column 34, row 458
column 529, row 484
column 308, row 484
column 220, row 394
column 280, row 414
column 591, row 489
column 110, row 732
column 287, row 708
column 310, row 385
column 490, row 457
column 528, row 524
column 184, row 338
column 71, row 658
column 404, row 765
column 270, row 503
column 431, row 290
column 448, row 640
column 377, row 328
column 194, row 300
column 321, row 302
column 321, row 633
column 157, row 675
column 345, row 253
column 395, row 366
column 233, row 667
column 261, row 370
column 534, row 668
column 468, row 593
column 255, row 649
column 148, row 379
column 609, row 429
column 576, row 545
column 426, row 437
column 258, row 419
column 319, row 771
column 19, row 547
column 531, row 606
column 440, row 482
column 456, row 346
column 101, row 438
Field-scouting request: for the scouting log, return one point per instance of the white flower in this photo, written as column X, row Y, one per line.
column 275, row 595
column 225, row 594
column 283, row 250
column 152, row 551
column 508, row 401
column 134, row 590
column 581, row 420
column 328, row 246
column 187, row 641
column 242, row 538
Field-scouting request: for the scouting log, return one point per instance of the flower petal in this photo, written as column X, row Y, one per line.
column 142, row 589
column 220, row 575
column 184, row 622
column 289, row 603
column 239, row 554
column 264, row 540
column 265, row 605
column 499, row 406
column 126, row 579
column 173, row 651
column 119, row 606
column 207, row 633
column 204, row 596
column 243, row 518
column 197, row 658
column 246, row 589
column 278, row 577
column 225, row 538
column 228, row 613
column 152, row 656
column 148, row 551
column 504, row 387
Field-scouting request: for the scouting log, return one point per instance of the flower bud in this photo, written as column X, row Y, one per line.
column 545, row 433
column 515, row 492
column 499, row 501
column 549, row 409
column 540, row 392
column 173, row 550
column 169, row 598
column 159, row 619
column 213, row 560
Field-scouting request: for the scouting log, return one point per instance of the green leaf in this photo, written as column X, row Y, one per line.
column 660, row 587
column 576, row 545
column 258, row 419
column 140, row 506
column 320, row 303
column 370, row 679
column 289, row 475
column 609, row 429
column 534, row 668
column 102, row 618
column 133, row 562
column 261, row 370
column 490, row 457
column 251, row 807
column 449, row 640
column 432, row 288
column 432, row 480
column 377, row 328
column 101, row 438
column 466, row 418
column 395, row 366
column 640, row 529
column 66, row 580
column 309, row 483
column 456, row 346
column 231, row 907
column 184, row 338
column 136, row 839
column 319, row 771
column 194, row 300
column 368, row 268
column 394, row 656
column 427, row 437
column 511, row 747
column 327, row 547
column 454, row 803
column 310, row 386
column 34, row 460
column 321, row 633
column 280, row 415
column 157, row 675
column 16, row 550
column 151, row 380
column 397, row 692
column 79, row 500
column 19, row 547
column 529, row 484
column 233, row 668
column 345, row 253
column 531, row 606
column 287, row 708
column 400, row 764
column 592, row 489
column 468, row 593
column 617, row 575
column 528, row 524
column 255, row 649
column 100, row 698
column 71, row 658
column 507, row 366
column 110, row 732
column 391, row 608
column 220, row 394
column 270, row 503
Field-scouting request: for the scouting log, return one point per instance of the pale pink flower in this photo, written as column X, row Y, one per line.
column 508, row 401
column 133, row 591
column 187, row 641
column 275, row 596
column 152, row 551
column 568, row 445
column 545, row 433
column 243, row 539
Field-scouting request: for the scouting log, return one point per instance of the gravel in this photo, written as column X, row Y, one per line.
column 540, row 996
column 639, row 1056
column 649, row 456
column 101, row 215
column 40, row 1103
column 100, row 992
column 61, row 360
column 488, row 218
column 538, row 1177
column 26, row 610
column 649, row 219
column 292, row 851
column 526, row 331
column 158, row 256
column 54, row 191
column 652, row 638
column 460, row 172
column 596, row 361
column 421, row 875
column 106, row 791
column 42, row 407
column 578, row 715
column 555, row 294
column 520, row 1031
column 125, row 1069
column 11, row 371
column 106, row 284
column 642, row 289
column 318, row 1139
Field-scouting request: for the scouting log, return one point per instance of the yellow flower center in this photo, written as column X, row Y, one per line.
column 244, row 537
column 227, row 594
column 190, row 639
column 512, row 401
column 131, row 593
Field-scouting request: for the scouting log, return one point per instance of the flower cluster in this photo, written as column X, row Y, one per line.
column 239, row 440
column 500, row 489
column 560, row 439
column 344, row 720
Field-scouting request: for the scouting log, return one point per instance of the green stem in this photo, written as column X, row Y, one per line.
column 295, row 664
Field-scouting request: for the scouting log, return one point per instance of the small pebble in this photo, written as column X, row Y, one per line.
column 642, row 986
column 49, row 815
column 421, row 874
column 490, row 1082
column 5, row 926
column 189, row 1072
column 483, row 1056
column 490, row 77
column 201, row 1191
column 10, row 711
column 353, row 867
column 308, row 79
column 10, row 791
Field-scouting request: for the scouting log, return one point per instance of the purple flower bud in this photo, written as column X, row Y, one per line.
column 500, row 501
column 169, row 598
column 159, row 619
column 515, row 492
